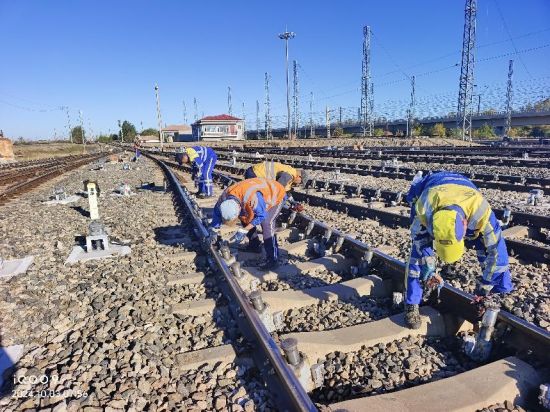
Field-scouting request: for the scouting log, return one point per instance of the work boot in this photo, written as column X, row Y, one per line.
column 254, row 246
column 269, row 265
column 412, row 317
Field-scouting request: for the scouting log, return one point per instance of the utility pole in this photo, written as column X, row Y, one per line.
column 81, row 127
column 365, row 83
column 295, row 99
column 229, row 105
column 196, row 110
column 184, row 112
column 69, row 123
column 311, row 126
column 267, row 109
column 159, row 117
column 286, row 36
column 121, row 131
column 244, row 122
column 258, row 133
column 327, row 118
column 340, row 116
column 509, row 93
column 466, row 84
column 410, row 119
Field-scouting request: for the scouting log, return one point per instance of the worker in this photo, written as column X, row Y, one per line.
column 202, row 159
column 448, row 212
column 255, row 202
column 284, row 174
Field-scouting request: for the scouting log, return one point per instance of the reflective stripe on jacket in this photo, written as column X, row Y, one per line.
column 270, row 170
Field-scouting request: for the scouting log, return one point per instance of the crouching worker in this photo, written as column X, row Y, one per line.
column 202, row 159
column 286, row 175
column 448, row 213
column 254, row 202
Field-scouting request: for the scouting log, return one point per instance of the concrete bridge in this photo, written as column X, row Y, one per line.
column 496, row 121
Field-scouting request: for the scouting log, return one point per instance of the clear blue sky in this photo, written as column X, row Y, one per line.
column 104, row 57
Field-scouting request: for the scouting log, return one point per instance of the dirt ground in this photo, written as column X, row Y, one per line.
column 33, row 151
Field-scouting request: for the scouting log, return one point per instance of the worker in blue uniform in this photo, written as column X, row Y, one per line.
column 202, row 159
column 449, row 213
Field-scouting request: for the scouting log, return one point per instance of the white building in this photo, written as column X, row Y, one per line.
column 221, row 127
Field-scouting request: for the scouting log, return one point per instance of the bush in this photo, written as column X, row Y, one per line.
column 438, row 130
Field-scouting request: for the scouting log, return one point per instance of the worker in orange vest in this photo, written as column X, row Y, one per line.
column 254, row 202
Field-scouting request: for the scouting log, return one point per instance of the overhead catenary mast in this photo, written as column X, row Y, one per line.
column 229, row 104
column 267, row 109
column 509, row 93
column 466, row 84
column 311, row 126
column 195, row 109
column 327, row 119
column 69, row 123
column 365, row 83
column 295, row 99
column 184, row 112
column 410, row 117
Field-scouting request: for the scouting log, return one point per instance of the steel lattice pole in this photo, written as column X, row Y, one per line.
column 159, row 117
column 509, row 92
column 229, row 104
column 258, row 125
column 365, row 80
column 410, row 119
column 295, row 99
column 267, row 108
column 466, row 84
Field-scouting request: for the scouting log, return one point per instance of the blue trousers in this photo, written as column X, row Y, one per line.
column 268, row 233
column 206, row 184
column 249, row 173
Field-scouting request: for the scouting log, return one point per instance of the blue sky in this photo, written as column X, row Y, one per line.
column 104, row 57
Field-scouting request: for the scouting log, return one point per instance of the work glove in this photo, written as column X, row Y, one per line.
column 297, row 207
column 239, row 236
column 427, row 269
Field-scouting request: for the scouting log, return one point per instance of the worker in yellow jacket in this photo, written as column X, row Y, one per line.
column 284, row 174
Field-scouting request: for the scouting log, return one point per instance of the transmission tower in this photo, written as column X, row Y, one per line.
column 229, row 105
column 267, row 108
column 184, row 112
column 410, row 118
column 365, row 82
column 327, row 118
column 195, row 109
column 509, row 93
column 466, row 86
column 258, row 133
column 311, row 126
column 295, row 97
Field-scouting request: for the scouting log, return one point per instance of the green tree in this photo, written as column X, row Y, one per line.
column 338, row 132
column 454, row 132
column 485, row 131
column 378, row 132
column 104, row 138
column 78, row 134
column 149, row 132
column 438, row 130
column 128, row 131
column 418, row 130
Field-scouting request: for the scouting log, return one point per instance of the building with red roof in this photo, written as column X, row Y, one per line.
column 219, row 127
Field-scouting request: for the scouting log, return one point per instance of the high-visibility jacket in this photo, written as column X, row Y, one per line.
column 483, row 232
column 200, row 154
column 245, row 192
column 271, row 170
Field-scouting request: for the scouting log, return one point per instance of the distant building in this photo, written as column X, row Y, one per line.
column 221, row 127
column 177, row 133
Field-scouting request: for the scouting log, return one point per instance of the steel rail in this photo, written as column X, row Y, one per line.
column 489, row 181
column 297, row 397
column 520, row 334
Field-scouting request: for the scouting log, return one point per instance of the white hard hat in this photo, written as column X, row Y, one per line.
column 230, row 210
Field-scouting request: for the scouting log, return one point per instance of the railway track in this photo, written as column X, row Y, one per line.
column 469, row 158
column 484, row 180
column 365, row 359
column 21, row 178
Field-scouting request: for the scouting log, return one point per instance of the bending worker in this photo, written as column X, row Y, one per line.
column 203, row 160
column 448, row 212
column 284, row 174
column 255, row 202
